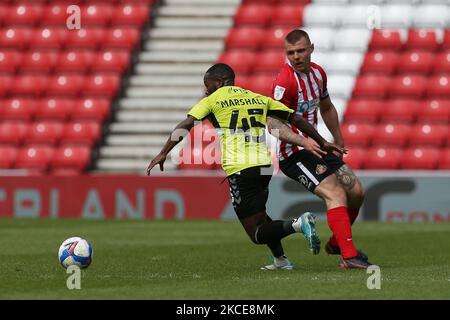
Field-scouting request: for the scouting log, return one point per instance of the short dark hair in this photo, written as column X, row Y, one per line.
column 220, row 71
column 295, row 35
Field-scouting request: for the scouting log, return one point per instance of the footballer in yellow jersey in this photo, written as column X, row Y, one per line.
column 240, row 117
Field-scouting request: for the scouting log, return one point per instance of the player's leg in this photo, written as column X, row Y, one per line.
column 314, row 174
column 249, row 191
column 353, row 188
column 354, row 191
column 338, row 219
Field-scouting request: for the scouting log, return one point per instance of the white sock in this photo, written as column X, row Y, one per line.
column 297, row 224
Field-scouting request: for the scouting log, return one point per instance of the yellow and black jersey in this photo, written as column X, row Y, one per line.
column 239, row 116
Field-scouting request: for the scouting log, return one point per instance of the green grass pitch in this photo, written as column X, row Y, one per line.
column 216, row 260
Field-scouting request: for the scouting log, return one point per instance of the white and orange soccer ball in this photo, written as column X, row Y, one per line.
column 75, row 251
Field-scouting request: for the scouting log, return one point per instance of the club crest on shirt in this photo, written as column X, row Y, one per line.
column 321, row 168
column 278, row 92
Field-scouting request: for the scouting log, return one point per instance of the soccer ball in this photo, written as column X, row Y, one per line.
column 75, row 251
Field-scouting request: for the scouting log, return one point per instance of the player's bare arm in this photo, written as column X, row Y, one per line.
column 281, row 131
column 331, row 119
column 306, row 127
column 177, row 135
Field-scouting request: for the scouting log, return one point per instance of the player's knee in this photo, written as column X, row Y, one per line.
column 334, row 193
column 357, row 195
column 253, row 234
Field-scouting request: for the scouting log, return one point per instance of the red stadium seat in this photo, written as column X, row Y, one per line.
column 245, row 38
column 34, row 157
column 241, row 80
column 420, row 158
column 14, row 37
column 75, row 61
column 42, row 61
column 436, row 111
column 240, row 60
column 103, row 85
column 111, row 61
column 289, row 15
column 3, row 11
column 9, row 155
column 129, row 14
column 446, row 40
column 371, row 86
column 70, row 158
column 416, row 61
column 6, row 82
column 269, row 62
column 411, row 86
column 91, row 109
column 357, row 134
column 399, row 110
column 48, row 38
column 385, row 39
column 54, row 109
column 275, row 38
column 55, row 14
column 44, row 132
column 442, row 62
column 444, row 161
column 391, row 134
column 355, row 156
column 426, row 134
column 259, row 1
column 81, row 132
column 85, row 38
column 380, row 61
column 253, row 15
column 386, row 158
column 9, row 60
column 12, row 132
column 363, row 110
column 68, row 85
column 23, row 14
column 94, row 14
column 422, row 39
column 195, row 157
column 438, row 87
column 121, row 38
column 29, row 85
column 17, row 109
column 261, row 83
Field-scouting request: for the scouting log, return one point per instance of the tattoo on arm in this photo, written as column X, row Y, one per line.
column 346, row 177
column 281, row 131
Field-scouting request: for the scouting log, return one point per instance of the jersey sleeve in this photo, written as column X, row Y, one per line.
column 324, row 91
column 201, row 110
column 279, row 110
column 284, row 90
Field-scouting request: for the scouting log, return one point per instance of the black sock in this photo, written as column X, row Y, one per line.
column 273, row 231
column 276, row 248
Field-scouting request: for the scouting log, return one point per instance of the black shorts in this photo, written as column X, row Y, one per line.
column 249, row 190
column 308, row 169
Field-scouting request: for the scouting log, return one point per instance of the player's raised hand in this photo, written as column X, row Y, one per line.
column 313, row 147
column 330, row 147
column 159, row 159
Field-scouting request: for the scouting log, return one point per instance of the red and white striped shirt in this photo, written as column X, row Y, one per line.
column 301, row 92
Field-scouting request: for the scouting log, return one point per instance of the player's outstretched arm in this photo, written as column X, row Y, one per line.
column 307, row 128
column 177, row 135
column 280, row 130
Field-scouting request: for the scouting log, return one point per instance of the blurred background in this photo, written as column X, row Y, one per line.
column 90, row 90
